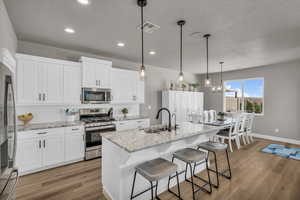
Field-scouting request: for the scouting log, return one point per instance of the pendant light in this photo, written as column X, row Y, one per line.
column 142, row 4
column 207, row 82
column 219, row 88
column 181, row 23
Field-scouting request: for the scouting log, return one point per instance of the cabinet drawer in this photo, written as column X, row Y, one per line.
column 74, row 129
column 142, row 123
column 38, row 133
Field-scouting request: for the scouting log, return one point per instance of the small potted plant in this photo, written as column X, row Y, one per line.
column 221, row 116
column 71, row 114
column 195, row 86
column 183, row 86
column 124, row 112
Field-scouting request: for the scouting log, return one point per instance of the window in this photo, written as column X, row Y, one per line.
column 244, row 95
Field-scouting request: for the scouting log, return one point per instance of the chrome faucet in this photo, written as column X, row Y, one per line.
column 175, row 125
column 157, row 116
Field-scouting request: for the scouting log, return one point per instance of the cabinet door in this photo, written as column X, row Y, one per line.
column 27, row 91
column 53, row 147
column 54, row 83
column 89, row 75
column 122, row 86
column 74, row 146
column 72, row 84
column 103, row 75
column 29, row 154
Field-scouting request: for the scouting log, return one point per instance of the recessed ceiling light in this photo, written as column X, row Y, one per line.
column 84, row 2
column 121, row 44
column 69, row 30
column 152, row 52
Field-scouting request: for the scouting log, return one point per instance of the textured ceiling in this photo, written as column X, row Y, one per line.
column 245, row 33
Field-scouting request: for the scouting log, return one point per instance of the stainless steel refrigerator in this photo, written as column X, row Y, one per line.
column 8, row 173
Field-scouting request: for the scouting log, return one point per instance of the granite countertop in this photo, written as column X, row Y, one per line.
column 131, row 118
column 59, row 124
column 135, row 140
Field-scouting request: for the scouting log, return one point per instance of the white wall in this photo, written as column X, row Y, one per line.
column 156, row 80
column 8, row 38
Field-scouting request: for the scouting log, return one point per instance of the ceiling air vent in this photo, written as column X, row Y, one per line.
column 149, row 27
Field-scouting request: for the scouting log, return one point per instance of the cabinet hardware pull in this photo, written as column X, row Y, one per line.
column 41, row 133
column 44, row 96
column 83, row 137
column 40, row 144
column 99, row 83
column 40, row 96
column 75, row 129
column 44, row 143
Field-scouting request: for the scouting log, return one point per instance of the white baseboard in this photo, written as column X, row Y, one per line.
column 280, row 139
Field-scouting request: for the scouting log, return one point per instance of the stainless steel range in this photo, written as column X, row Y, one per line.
column 97, row 121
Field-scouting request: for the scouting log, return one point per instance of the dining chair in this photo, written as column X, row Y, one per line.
column 212, row 116
column 243, row 128
column 232, row 133
column 249, row 127
column 206, row 116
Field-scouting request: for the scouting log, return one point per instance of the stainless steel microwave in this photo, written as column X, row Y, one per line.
column 95, row 96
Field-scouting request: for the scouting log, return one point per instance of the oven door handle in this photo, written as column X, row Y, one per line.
column 99, row 128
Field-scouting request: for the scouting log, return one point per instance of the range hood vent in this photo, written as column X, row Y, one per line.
column 149, row 27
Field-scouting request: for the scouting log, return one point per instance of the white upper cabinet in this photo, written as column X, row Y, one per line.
column 27, row 82
column 54, row 81
column 72, row 84
column 96, row 73
column 127, row 86
column 47, row 81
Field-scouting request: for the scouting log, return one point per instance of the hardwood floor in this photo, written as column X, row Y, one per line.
column 256, row 176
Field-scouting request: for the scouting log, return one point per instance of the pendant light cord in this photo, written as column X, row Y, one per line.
column 181, row 48
column 142, row 30
column 221, row 73
column 207, row 57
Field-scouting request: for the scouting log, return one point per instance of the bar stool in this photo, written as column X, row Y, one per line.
column 214, row 147
column 192, row 156
column 153, row 171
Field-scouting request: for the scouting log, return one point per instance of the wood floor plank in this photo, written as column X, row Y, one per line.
column 256, row 176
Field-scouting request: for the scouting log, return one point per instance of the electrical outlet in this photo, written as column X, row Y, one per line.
column 277, row 130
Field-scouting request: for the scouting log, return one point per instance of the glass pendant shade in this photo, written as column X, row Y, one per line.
column 207, row 82
column 180, row 77
column 213, row 88
column 219, row 88
column 142, row 72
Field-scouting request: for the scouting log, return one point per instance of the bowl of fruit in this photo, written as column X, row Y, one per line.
column 25, row 118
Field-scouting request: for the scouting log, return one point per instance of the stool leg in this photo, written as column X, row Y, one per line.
column 131, row 196
column 156, row 196
column 151, row 190
column 217, row 171
column 178, row 187
column 228, row 164
column 192, row 180
column 208, row 174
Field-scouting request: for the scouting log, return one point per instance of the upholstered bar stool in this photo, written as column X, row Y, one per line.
column 213, row 147
column 153, row 171
column 191, row 157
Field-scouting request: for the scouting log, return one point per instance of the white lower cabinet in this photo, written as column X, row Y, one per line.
column 53, row 147
column 132, row 124
column 74, row 144
column 42, row 149
column 29, row 154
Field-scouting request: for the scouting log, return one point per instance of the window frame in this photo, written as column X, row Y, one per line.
column 243, row 88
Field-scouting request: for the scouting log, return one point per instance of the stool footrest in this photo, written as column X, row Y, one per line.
column 140, row 193
column 200, row 187
column 221, row 173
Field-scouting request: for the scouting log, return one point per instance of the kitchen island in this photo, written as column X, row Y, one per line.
column 123, row 150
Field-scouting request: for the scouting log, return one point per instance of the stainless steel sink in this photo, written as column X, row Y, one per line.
column 156, row 129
